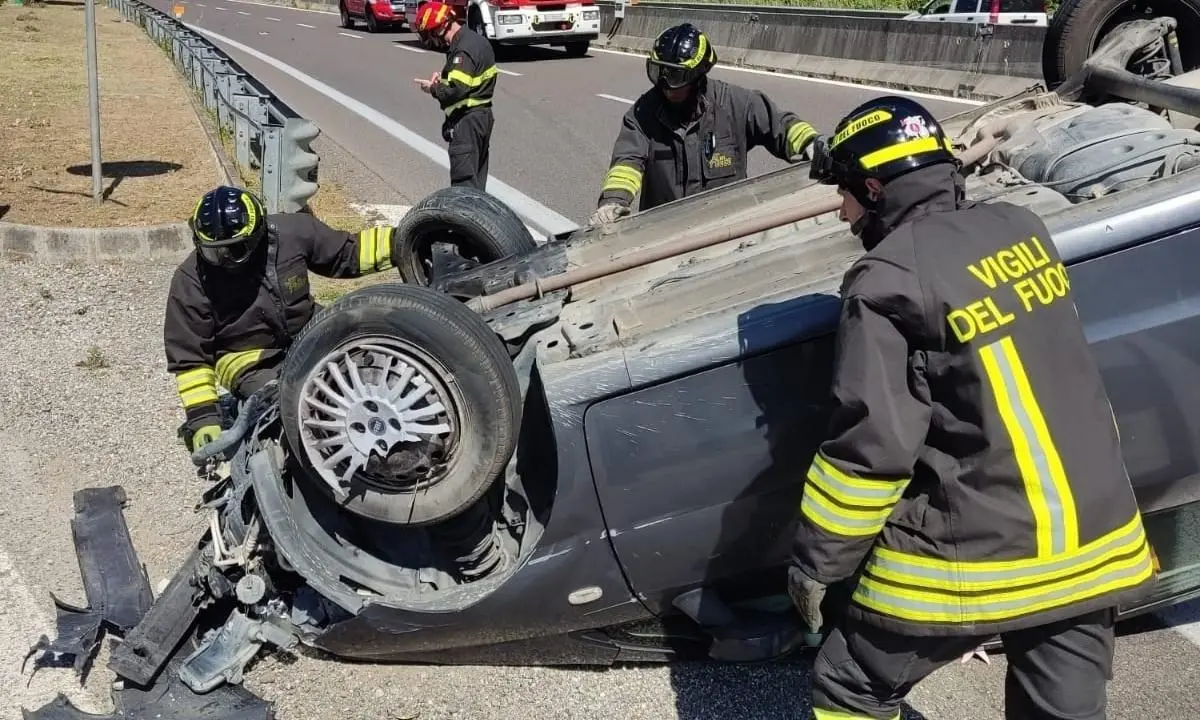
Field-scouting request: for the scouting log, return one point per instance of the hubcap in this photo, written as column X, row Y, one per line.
column 376, row 411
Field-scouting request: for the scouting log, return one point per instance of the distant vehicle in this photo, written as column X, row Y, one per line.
column 993, row 12
column 572, row 25
column 377, row 14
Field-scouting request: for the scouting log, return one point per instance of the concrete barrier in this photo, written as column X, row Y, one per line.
column 960, row 59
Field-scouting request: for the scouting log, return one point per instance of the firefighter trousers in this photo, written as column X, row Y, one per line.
column 1058, row 671
column 470, row 142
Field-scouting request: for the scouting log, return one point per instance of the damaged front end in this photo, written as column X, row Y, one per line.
column 278, row 564
column 183, row 653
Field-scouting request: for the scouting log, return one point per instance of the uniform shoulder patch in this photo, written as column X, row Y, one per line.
column 457, row 59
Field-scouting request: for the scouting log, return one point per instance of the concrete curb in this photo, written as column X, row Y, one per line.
column 953, row 83
column 165, row 244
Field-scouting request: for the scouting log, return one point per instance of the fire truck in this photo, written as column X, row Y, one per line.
column 572, row 24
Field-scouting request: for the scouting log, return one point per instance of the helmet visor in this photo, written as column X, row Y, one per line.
column 223, row 253
column 670, row 76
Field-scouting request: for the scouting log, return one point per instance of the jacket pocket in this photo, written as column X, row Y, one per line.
column 722, row 163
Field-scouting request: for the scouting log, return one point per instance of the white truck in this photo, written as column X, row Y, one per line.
column 991, row 12
column 572, row 24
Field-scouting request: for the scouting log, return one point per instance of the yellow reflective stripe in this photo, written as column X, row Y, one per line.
column 834, row 518
column 899, row 150
column 196, row 386
column 820, row 714
column 470, row 80
column 798, row 134
column 701, row 51
column 864, row 122
column 374, row 249
column 848, row 490
column 468, row 103
column 931, row 606
column 623, row 177
column 986, row 575
column 1037, row 458
column 230, row 366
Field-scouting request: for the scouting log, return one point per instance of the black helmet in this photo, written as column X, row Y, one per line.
column 681, row 55
column 227, row 225
column 882, row 139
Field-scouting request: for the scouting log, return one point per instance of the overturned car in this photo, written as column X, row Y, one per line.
column 590, row 451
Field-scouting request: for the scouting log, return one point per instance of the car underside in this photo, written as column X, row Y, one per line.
column 587, row 450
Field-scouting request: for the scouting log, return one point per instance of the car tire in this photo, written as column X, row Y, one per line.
column 476, row 223
column 346, row 21
column 470, row 373
column 373, row 25
column 577, row 49
column 1078, row 27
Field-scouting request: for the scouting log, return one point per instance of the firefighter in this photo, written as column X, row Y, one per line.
column 972, row 482
column 239, row 298
column 691, row 132
column 463, row 89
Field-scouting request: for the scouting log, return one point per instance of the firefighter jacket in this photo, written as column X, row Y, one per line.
column 973, row 466
column 664, row 159
column 222, row 327
column 468, row 78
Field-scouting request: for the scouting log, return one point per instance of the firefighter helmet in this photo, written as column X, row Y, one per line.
column 433, row 15
column 681, row 55
column 881, row 139
column 227, row 225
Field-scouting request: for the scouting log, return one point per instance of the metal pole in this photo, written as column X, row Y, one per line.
column 93, row 97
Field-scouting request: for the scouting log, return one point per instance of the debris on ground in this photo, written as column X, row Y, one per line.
column 156, row 157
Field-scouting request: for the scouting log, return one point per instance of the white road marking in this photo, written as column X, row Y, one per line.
column 273, row 19
column 508, row 72
column 221, row 8
column 242, row 12
column 821, row 81
column 351, row 35
column 606, row 96
column 284, row 7
column 545, row 220
column 201, row 5
column 312, row 27
column 409, row 48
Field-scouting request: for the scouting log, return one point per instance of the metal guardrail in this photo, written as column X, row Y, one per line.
column 268, row 136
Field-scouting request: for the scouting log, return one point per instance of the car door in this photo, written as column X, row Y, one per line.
column 700, row 477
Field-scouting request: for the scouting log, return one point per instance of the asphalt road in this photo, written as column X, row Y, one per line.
column 556, row 117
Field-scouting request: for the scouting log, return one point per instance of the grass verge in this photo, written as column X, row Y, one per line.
column 156, row 158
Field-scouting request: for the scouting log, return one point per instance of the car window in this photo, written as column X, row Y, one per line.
column 965, row 6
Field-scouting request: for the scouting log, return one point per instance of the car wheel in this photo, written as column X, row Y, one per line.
column 347, row 21
column 476, row 226
column 1079, row 26
column 401, row 403
column 372, row 21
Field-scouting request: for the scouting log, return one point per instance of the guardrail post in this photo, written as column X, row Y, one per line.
column 225, row 101
column 298, row 164
column 272, row 138
column 241, row 129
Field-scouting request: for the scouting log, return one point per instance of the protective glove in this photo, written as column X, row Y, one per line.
column 805, row 151
column 204, row 436
column 806, row 595
column 607, row 213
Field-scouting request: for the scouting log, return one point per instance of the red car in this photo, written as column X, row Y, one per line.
column 378, row 14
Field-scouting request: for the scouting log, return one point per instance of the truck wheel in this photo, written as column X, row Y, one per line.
column 1078, row 27
column 577, row 49
column 401, row 403
column 477, row 225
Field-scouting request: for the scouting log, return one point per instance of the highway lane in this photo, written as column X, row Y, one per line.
column 556, row 117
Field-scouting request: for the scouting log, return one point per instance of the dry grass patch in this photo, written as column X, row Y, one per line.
column 157, row 160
